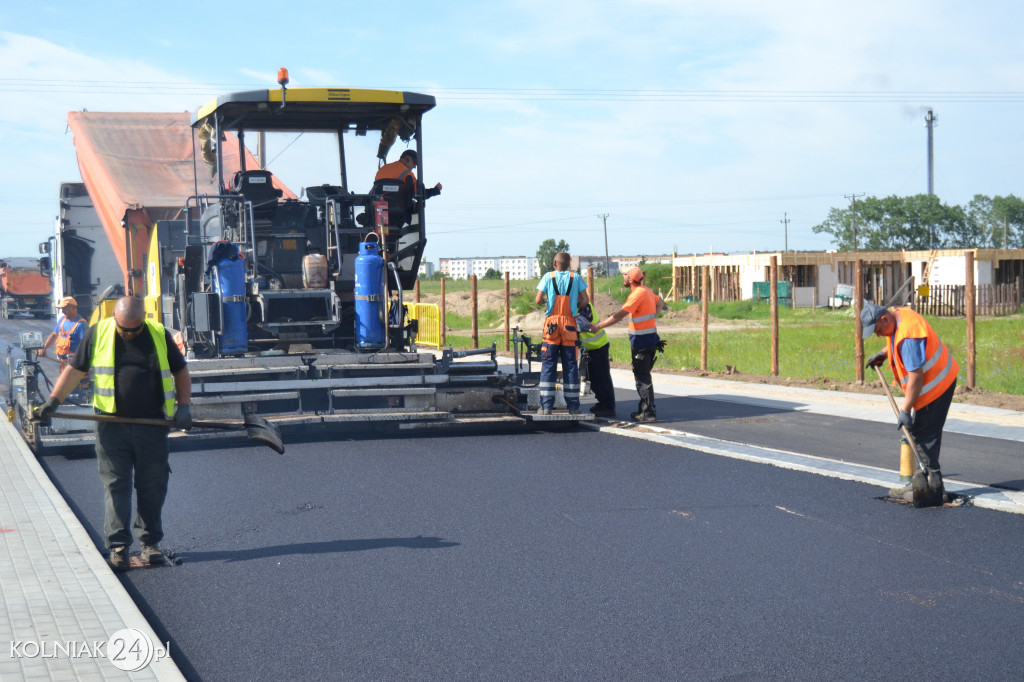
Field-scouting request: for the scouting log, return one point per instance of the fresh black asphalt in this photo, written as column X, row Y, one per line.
column 573, row 555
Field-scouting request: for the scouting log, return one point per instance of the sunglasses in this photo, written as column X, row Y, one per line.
column 131, row 330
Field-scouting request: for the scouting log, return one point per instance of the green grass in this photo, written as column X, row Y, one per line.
column 813, row 343
column 827, row 350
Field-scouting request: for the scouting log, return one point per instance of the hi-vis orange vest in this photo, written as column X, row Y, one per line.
column 939, row 368
column 563, row 333
column 64, row 335
column 646, row 319
column 396, row 170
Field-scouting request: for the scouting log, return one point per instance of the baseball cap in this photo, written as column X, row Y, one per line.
column 635, row 274
column 869, row 315
column 67, row 300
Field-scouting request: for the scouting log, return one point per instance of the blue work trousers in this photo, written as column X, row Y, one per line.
column 551, row 355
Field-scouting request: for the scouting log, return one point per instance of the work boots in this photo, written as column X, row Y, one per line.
column 936, row 490
column 151, row 554
column 924, row 490
column 646, row 411
column 119, row 559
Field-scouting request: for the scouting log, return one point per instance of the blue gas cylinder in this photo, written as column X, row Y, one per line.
column 230, row 286
column 370, row 297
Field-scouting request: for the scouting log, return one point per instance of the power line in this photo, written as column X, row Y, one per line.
column 544, row 94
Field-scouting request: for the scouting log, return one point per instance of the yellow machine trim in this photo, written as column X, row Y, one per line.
column 102, row 311
column 316, row 95
column 338, row 95
column 152, row 298
column 429, row 317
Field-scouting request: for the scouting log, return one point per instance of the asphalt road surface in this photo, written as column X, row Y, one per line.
column 576, row 555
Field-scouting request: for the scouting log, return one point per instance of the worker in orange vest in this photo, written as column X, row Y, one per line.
column 926, row 371
column 642, row 308
column 402, row 170
column 402, row 204
column 565, row 293
column 68, row 333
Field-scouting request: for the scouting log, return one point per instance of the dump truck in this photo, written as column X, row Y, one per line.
column 82, row 263
column 24, row 288
column 289, row 306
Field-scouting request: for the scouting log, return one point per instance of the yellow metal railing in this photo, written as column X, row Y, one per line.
column 429, row 329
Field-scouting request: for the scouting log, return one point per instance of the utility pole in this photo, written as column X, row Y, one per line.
column 930, row 121
column 853, row 215
column 785, row 228
column 607, row 261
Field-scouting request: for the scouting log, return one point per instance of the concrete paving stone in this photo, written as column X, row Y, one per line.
column 53, row 590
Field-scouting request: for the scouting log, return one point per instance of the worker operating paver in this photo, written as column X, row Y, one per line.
column 926, row 371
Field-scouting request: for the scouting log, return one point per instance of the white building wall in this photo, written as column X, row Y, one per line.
column 458, row 268
column 984, row 272
column 828, row 278
column 480, row 266
column 751, row 272
column 952, row 270
column 518, row 267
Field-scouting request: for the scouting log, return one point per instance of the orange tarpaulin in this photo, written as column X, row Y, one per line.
column 141, row 167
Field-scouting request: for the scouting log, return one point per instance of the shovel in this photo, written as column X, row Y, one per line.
column 256, row 428
column 919, row 481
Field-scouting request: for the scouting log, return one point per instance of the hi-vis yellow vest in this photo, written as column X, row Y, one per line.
column 103, row 366
column 592, row 340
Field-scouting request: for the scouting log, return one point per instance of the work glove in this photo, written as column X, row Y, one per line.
column 183, row 417
column 43, row 412
column 877, row 359
column 660, row 347
column 905, row 419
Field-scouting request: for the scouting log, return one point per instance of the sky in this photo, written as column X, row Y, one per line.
column 690, row 125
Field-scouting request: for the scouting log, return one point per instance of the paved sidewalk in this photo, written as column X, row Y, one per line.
column 61, row 602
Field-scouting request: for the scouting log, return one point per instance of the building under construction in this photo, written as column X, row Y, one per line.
column 931, row 279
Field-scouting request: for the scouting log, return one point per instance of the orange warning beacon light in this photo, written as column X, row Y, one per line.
column 282, row 76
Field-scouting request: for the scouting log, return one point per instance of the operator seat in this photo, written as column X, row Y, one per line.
column 257, row 186
column 400, row 201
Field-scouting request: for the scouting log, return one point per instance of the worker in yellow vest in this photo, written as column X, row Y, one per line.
column 139, row 373
column 598, row 365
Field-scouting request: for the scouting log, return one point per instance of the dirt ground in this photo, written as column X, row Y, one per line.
column 689, row 320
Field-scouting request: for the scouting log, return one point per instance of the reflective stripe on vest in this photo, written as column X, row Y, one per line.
column 646, row 319
column 593, row 341
column 939, row 369
column 103, row 396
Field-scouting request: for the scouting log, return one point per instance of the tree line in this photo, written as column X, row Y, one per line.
column 922, row 222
